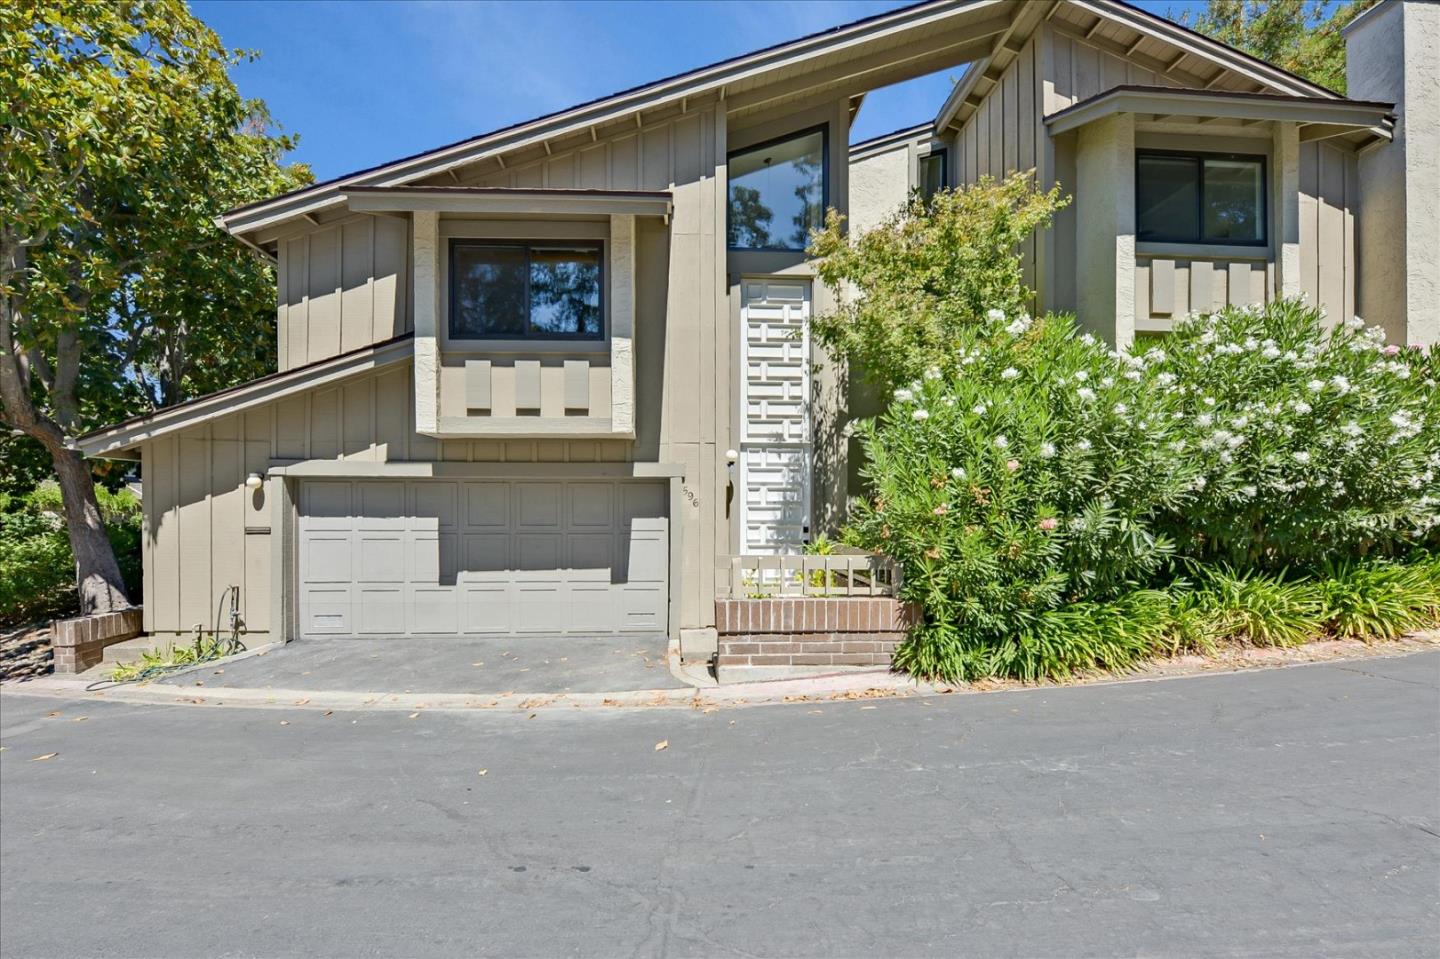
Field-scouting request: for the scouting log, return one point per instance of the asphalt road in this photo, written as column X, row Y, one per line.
column 1291, row 812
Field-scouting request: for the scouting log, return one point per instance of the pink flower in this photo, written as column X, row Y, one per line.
column 1012, row 465
column 1049, row 523
column 941, row 510
column 1391, row 350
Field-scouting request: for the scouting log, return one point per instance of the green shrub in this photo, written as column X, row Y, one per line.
column 1311, row 445
column 1380, row 600
column 927, row 274
column 1043, row 470
column 37, row 569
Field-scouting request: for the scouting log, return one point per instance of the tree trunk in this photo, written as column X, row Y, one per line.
column 97, row 573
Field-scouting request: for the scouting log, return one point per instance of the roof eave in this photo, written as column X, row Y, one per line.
column 118, row 441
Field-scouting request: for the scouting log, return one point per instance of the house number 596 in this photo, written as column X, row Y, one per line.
column 692, row 496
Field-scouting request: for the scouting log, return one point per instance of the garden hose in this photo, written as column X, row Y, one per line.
column 218, row 649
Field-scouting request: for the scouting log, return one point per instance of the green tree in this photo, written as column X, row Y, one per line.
column 1301, row 36
column 927, row 275
column 121, row 137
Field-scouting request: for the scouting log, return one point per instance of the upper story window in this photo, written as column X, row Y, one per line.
column 1200, row 198
column 536, row 291
column 932, row 173
column 778, row 193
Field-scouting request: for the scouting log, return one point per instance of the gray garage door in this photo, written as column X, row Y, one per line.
column 437, row 557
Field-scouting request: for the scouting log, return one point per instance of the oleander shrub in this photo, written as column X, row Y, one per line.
column 37, row 569
column 1040, row 487
column 1310, row 445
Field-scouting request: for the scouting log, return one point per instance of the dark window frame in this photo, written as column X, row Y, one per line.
column 1200, row 156
column 824, row 130
column 944, row 154
column 531, row 335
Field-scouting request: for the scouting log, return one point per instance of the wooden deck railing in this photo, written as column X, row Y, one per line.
column 844, row 573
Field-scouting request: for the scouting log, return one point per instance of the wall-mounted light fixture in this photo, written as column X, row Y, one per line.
column 253, row 481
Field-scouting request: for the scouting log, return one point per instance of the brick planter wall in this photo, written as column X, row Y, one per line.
column 80, row 643
column 780, row 633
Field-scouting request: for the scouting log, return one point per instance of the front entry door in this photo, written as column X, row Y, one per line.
column 775, row 445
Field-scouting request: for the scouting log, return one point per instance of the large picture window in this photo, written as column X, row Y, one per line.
column 1200, row 198
column 777, row 193
column 539, row 291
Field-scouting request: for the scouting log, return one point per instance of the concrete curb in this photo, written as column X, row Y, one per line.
column 877, row 683
column 869, row 684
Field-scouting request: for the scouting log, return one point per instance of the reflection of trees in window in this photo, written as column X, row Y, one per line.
column 517, row 290
column 489, row 292
column 749, row 219
column 809, row 191
column 565, row 292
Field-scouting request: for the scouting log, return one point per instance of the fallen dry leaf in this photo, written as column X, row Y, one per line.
column 477, row 664
column 52, row 714
column 414, row 715
column 284, row 722
column 662, row 744
column 329, row 712
column 869, row 707
column 484, row 771
column 81, row 719
column 46, row 756
column 301, row 702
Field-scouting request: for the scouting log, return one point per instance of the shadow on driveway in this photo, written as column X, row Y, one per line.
column 539, row 664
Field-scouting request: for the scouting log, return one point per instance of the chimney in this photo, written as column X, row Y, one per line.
column 1393, row 55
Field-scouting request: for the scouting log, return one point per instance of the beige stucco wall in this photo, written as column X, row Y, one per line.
column 342, row 285
column 879, row 186
column 1394, row 56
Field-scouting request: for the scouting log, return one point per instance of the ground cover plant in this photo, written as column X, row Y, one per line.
column 1258, row 475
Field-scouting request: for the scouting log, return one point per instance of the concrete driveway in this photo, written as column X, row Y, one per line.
column 531, row 664
column 1288, row 812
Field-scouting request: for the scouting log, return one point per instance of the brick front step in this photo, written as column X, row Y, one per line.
column 807, row 632
column 80, row 643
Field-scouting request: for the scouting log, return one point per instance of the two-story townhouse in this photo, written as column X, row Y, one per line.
column 547, row 380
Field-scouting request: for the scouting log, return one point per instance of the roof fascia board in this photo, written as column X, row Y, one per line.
column 1179, row 103
column 959, row 93
column 1022, row 25
column 1203, row 47
column 525, row 204
column 103, row 443
column 920, row 133
column 704, row 80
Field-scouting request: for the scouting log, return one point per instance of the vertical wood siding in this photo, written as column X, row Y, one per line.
column 205, row 531
column 342, row 286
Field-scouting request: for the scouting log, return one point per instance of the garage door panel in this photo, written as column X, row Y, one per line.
column 381, row 505
column 326, row 505
column 538, row 551
column 642, row 607
column 539, row 606
column 647, row 556
column 487, row 506
column 326, row 556
column 590, row 603
column 482, row 557
column 433, row 505
column 591, row 551
column 325, row 610
column 433, row 610
column 380, row 611
column 486, row 608
column 591, row 506
column 486, row 552
column 380, row 557
column 539, row 506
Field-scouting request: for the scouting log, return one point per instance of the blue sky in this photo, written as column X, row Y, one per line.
column 367, row 82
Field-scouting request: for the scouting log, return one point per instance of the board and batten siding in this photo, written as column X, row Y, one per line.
column 342, row 286
column 205, row 531
column 1056, row 70
column 680, row 292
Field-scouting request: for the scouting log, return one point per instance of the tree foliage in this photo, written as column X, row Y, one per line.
column 121, row 138
column 913, row 286
column 1301, row 36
